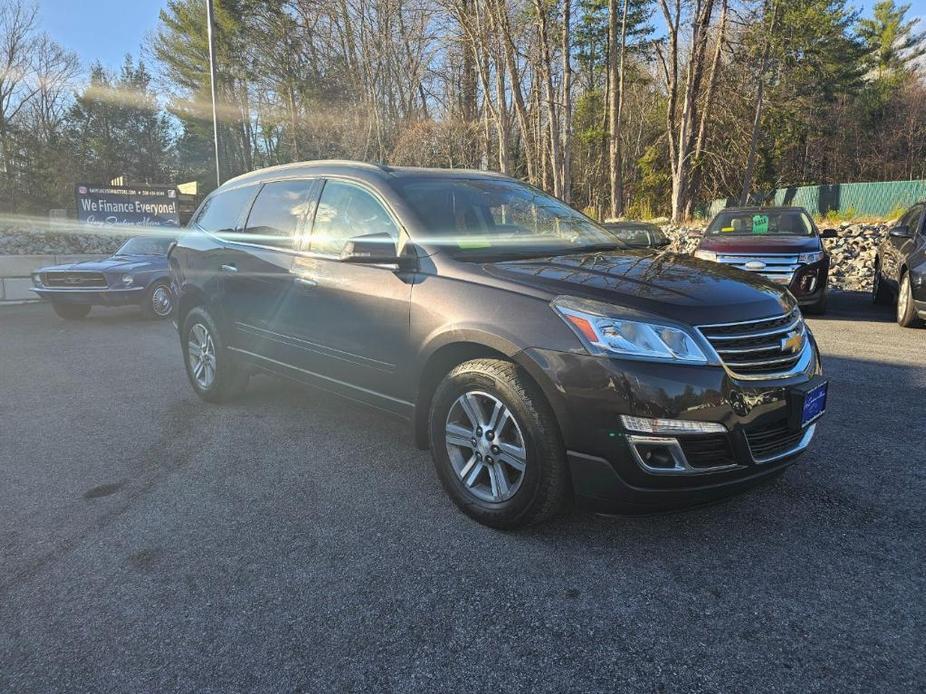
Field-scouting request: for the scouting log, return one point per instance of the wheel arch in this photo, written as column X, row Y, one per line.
column 449, row 355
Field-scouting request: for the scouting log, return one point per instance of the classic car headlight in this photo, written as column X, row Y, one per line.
column 705, row 255
column 37, row 279
column 808, row 258
column 127, row 280
column 610, row 335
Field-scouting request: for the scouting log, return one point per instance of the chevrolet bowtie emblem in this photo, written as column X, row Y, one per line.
column 792, row 343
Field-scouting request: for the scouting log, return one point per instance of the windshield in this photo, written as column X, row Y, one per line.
column 761, row 222
column 146, row 245
column 478, row 217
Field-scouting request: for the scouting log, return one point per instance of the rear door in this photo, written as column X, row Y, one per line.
column 351, row 320
column 259, row 278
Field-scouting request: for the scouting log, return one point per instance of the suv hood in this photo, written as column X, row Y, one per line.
column 677, row 287
column 119, row 263
column 760, row 244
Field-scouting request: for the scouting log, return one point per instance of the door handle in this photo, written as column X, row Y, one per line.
column 228, row 268
column 305, row 282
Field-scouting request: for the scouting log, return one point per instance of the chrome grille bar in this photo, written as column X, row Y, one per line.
column 778, row 267
column 773, row 347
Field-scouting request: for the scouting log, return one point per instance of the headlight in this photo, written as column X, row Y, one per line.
column 808, row 258
column 37, row 279
column 609, row 335
column 127, row 280
column 705, row 255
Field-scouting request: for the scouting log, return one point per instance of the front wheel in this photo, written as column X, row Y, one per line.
column 906, row 311
column 496, row 445
column 214, row 373
column 71, row 311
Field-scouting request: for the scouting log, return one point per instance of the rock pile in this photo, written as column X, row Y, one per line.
column 852, row 253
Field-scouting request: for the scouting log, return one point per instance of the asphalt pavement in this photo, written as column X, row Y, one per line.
column 294, row 541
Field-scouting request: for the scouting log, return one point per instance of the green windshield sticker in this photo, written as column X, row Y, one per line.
column 473, row 243
column 760, row 224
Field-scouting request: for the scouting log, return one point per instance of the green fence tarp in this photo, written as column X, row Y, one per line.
column 880, row 199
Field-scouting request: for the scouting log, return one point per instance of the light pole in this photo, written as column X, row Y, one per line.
column 215, row 115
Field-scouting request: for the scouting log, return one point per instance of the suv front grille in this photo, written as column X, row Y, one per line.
column 772, row 439
column 74, row 280
column 768, row 347
column 777, row 267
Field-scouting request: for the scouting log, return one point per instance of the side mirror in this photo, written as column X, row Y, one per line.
column 901, row 231
column 829, row 234
column 372, row 249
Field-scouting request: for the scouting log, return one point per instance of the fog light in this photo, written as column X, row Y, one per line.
column 670, row 426
column 36, row 279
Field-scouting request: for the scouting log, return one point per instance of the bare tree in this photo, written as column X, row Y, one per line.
column 17, row 39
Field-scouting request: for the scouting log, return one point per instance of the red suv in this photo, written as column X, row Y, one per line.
column 780, row 243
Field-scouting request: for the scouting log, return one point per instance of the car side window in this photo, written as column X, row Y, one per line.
column 277, row 212
column 223, row 212
column 345, row 211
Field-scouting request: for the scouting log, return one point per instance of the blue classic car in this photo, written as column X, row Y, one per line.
column 135, row 274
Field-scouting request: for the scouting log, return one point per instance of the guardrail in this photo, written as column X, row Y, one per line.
column 16, row 274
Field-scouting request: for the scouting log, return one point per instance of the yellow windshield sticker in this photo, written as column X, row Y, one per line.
column 473, row 243
column 727, row 229
column 760, row 224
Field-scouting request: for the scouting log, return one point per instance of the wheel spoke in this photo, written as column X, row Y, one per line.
column 500, row 487
column 459, row 436
column 493, row 418
column 468, row 467
column 514, row 456
column 470, row 479
column 471, row 408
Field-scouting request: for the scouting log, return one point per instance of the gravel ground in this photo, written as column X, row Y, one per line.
column 292, row 541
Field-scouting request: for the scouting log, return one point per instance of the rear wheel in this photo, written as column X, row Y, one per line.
column 496, row 445
column 879, row 293
column 214, row 373
column 159, row 301
column 71, row 311
column 906, row 311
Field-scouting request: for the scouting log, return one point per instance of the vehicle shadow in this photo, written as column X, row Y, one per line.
column 853, row 306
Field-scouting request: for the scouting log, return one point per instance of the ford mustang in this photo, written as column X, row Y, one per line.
column 135, row 274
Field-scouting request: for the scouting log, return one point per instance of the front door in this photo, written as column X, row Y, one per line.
column 351, row 320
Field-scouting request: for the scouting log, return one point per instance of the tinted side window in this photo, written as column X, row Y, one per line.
column 345, row 211
column 277, row 212
column 223, row 211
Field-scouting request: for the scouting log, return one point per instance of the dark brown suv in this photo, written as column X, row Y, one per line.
column 538, row 358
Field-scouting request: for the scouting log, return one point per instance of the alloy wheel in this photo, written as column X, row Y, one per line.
column 201, row 353
column 161, row 301
column 486, row 446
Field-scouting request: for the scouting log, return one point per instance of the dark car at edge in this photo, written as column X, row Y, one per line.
column 135, row 275
column 781, row 243
column 638, row 234
column 539, row 359
column 900, row 268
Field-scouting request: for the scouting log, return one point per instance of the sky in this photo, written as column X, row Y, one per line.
column 102, row 30
column 105, row 30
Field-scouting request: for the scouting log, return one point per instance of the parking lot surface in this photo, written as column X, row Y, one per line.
column 295, row 541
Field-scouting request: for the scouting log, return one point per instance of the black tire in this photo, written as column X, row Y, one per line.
column 158, row 303
column 543, row 487
column 906, row 310
column 229, row 377
column 71, row 311
column 880, row 294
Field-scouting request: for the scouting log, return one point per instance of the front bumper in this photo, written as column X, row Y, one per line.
column 607, row 472
column 95, row 297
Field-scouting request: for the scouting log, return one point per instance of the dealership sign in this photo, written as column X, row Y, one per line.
column 134, row 205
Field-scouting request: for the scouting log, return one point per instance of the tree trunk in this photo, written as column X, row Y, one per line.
column 566, row 118
column 616, row 54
